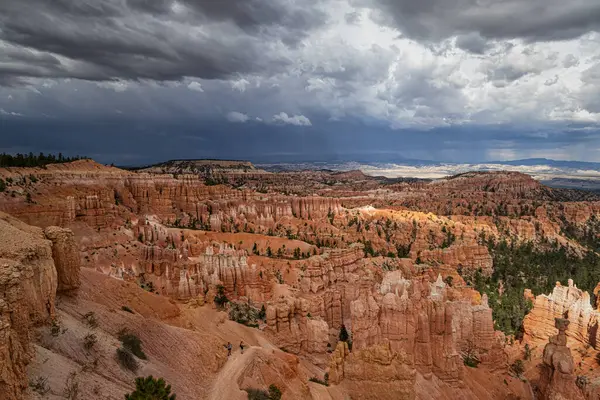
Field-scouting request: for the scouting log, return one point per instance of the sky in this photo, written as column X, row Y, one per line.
column 139, row 81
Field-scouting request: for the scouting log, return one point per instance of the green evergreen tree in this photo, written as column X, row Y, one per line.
column 150, row 388
column 344, row 334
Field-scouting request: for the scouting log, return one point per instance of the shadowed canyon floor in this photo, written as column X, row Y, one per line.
column 446, row 289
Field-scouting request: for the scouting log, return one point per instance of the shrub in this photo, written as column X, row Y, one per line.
column 56, row 328
column 126, row 359
column 39, row 385
column 262, row 314
column 582, row 381
column 527, row 354
column 71, row 389
column 244, row 313
column 132, row 343
column 2, row 185
column 89, row 341
column 90, row 319
column 448, row 280
column 256, row 394
column 221, row 299
column 274, row 392
column 151, row 389
column 344, row 334
column 517, row 368
column 317, row 380
column 469, row 355
column 125, row 308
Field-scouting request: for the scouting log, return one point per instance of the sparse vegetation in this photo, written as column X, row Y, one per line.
column 448, row 280
column 344, row 336
column 279, row 277
column 89, row 341
column 317, row 380
column 274, row 392
column 262, row 314
column 150, row 388
column 257, row 394
column 527, row 352
column 517, row 368
column 582, row 381
column 39, row 385
column 244, row 313
column 71, row 389
column 90, row 320
column 56, row 328
column 469, row 355
column 126, row 359
column 221, row 299
column 132, row 343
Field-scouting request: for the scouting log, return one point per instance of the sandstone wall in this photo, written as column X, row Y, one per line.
column 28, row 282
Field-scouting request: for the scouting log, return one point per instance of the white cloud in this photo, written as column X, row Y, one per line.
column 196, row 86
column 10, row 113
column 298, row 120
column 238, row 117
column 240, row 85
column 117, row 86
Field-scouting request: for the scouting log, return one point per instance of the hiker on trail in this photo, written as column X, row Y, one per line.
column 228, row 347
column 242, row 346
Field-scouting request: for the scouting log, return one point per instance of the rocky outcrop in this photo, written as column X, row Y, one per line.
column 374, row 372
column 557, row 378
column 66, row 257
column 291, row 327
column 28, row 282
column 564, row 302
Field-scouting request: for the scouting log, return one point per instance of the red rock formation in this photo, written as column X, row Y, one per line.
column 374, row 372
column 27, row 291
column 557, row 380
column 564, row 301
column 66, row 257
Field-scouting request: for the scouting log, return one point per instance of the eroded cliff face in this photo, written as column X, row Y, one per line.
column 564, row 302
column 571, row 356
column 28, row 282
column 557, row 381
column 399, row 325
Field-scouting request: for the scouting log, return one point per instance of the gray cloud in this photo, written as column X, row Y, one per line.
column 532, row 20
column 472, row 42
column 570, row 61
column 136, row 39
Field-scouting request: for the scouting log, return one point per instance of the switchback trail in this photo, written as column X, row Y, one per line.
column 225, row 385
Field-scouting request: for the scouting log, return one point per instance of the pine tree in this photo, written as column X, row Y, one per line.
column 151, row 389
column 344, row 334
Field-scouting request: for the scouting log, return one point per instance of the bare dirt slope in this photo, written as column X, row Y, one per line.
column 183, row 344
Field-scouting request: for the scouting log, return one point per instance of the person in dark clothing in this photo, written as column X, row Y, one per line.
column 242, row 346
column 228, row 347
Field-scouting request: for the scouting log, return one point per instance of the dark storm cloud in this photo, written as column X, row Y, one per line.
column 532, row 20
column 137, row 39
column 134, row 142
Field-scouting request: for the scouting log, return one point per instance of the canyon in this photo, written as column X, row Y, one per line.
column 172, row 251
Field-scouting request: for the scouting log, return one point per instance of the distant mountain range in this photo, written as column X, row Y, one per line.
column 552, row 163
